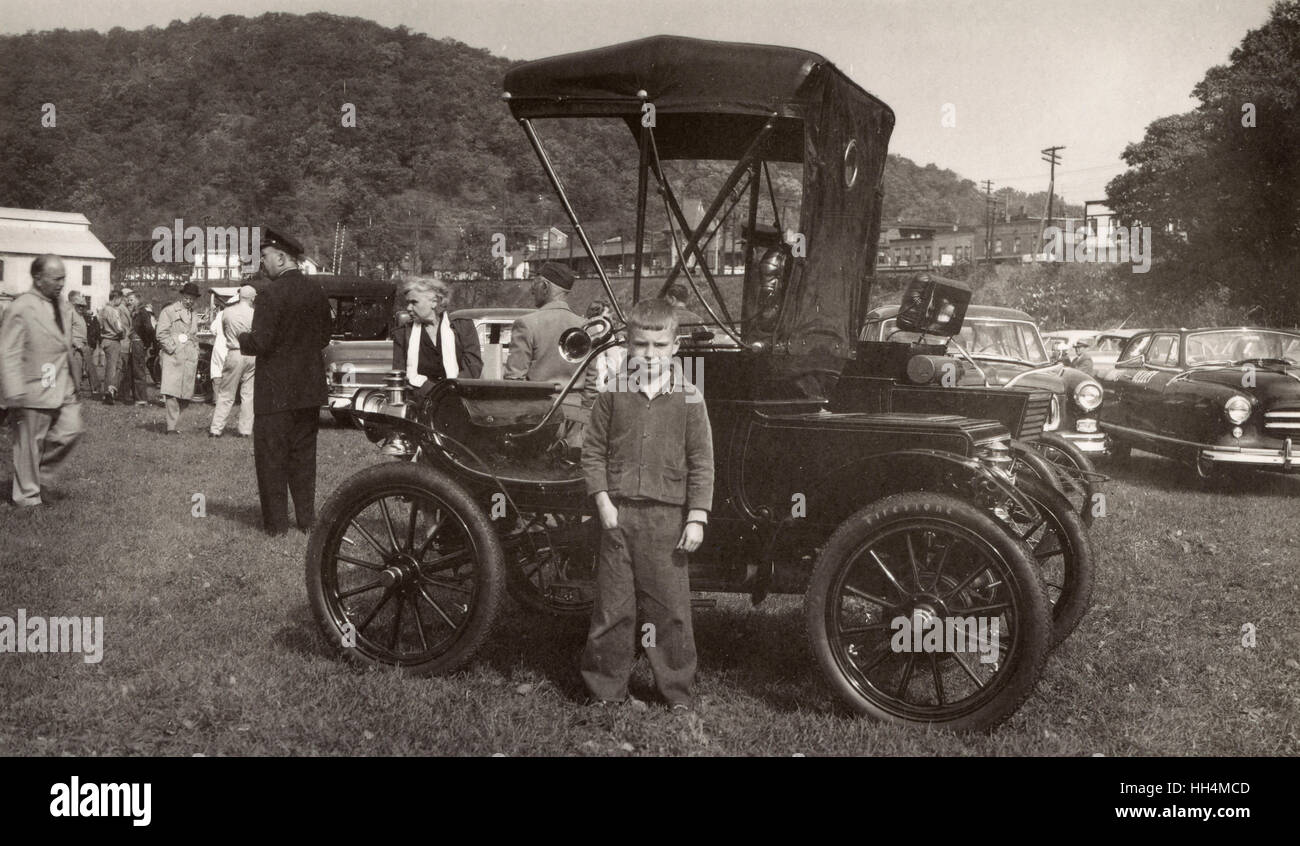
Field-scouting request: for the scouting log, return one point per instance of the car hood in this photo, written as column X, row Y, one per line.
column 360, row 353
column 1272, row 384
column 1002, row 372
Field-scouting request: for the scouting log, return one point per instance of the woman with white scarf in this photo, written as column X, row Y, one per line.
column 433, row 347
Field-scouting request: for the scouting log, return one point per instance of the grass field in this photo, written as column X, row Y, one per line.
column 209, row 647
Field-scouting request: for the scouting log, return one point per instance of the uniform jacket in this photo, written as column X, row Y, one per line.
column 659, row 449
column 291, row 325
column 469, row 358
column 35, row 355
column 179, row 358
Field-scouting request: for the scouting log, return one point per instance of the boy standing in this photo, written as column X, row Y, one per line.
column 648, row 463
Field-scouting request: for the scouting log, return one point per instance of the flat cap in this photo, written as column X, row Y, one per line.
column 191, row 289
column 557, row 274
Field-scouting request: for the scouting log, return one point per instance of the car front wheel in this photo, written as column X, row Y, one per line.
column 922, row 611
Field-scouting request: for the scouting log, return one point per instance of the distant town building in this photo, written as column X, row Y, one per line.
column 28, row 233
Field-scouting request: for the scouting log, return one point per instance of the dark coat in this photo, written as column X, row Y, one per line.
column 291, row 325
column 469, row 358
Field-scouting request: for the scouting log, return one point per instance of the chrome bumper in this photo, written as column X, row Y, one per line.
column 1287, row 458
column 1094, row 442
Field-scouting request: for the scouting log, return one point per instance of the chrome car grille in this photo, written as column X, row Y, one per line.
column 1037, row 411
column 1282, row 422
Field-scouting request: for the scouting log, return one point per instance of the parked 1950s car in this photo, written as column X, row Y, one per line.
column 1006, row 350
column 1105, row 350
column 879, row 519
column 1227, row 397
column 355, row 361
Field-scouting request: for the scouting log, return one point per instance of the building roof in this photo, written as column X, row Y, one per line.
column 40, row 216
column 67, row 243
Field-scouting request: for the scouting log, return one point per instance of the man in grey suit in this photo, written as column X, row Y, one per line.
column 535, row 349
column 36, row 381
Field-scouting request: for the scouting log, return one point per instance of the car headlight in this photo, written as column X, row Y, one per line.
column 1237, row 409
column 1087, row 395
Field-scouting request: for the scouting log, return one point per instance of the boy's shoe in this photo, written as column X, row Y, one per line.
column 603, row 704
column 680, row 709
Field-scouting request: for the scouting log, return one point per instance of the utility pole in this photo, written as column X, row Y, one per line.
column 988, row 221
column 1050, row 156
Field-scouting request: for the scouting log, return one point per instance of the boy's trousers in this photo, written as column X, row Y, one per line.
column 638, row 565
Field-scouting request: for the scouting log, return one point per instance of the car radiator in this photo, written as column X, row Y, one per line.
column 1035, row 417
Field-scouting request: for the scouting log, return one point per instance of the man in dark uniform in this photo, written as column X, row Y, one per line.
column 291, row 325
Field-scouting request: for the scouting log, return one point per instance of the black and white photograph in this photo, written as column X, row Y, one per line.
column 562, row 378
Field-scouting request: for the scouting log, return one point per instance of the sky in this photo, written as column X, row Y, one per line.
column 1017, row 75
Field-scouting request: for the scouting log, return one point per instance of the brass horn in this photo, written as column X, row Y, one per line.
column 577, row 342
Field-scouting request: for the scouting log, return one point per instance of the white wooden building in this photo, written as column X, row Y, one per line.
column 27, row 233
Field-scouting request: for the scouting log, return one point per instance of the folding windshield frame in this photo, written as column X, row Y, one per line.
column 649, row 164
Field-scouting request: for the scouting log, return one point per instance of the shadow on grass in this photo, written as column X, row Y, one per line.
column 763, row 652
column 246, row 514
column 301, row 636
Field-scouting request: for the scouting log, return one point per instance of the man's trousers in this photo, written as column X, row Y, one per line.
column 639, row 565
column 80, row 362
column 138, row 384
column 284, row 452
column 114, row 353
column 236, row 377
column 42, row 439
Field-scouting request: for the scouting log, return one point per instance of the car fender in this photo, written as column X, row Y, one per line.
column 842, row 491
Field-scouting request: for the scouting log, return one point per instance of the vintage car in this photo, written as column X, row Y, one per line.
column 353, row 364
column 1216, row 398
column 879, row 519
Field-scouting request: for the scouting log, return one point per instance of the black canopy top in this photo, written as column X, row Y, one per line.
column 709, row 96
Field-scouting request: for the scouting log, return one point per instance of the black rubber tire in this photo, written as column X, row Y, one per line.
column 529, row 588
column 482, row 587
column 1074, row 470
column 1008, row 573
column 1070, row 590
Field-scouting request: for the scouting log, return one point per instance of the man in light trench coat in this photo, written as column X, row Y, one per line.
column 178, row 328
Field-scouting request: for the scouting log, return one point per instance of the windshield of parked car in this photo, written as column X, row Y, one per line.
column 1110, row 344
column 1014, row 340
column 1229, row 346
column 359, row 318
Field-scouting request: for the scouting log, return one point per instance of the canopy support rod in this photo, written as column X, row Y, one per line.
column 568, row 210
column 643, row 163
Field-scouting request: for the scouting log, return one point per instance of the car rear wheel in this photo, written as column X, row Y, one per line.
column 904, row 566
column 1058, row 543
column 404, row 570
column 553, row 562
